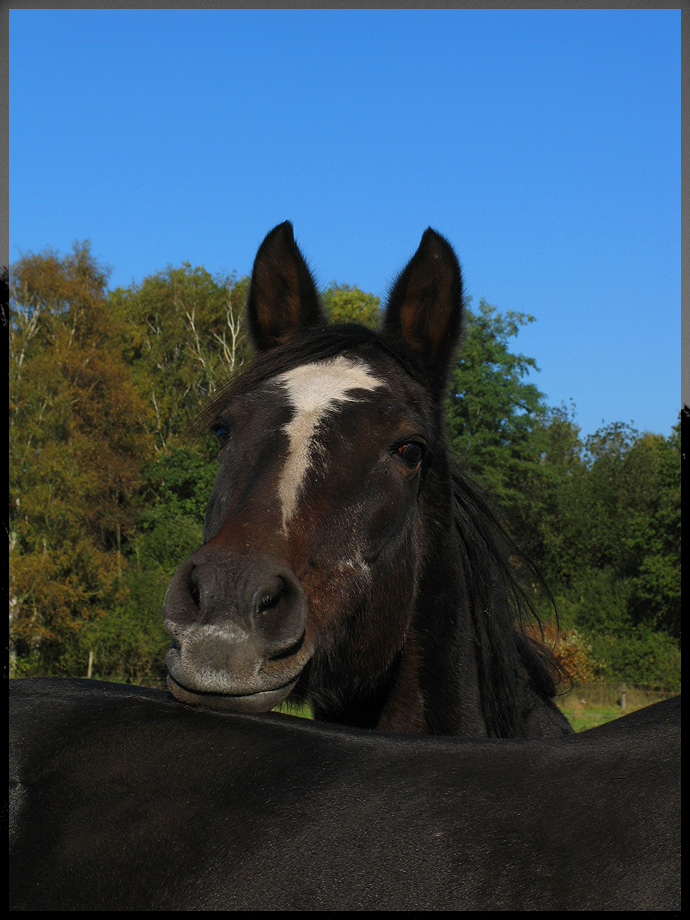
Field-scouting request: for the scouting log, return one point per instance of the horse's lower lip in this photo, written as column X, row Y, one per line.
column 261, row 701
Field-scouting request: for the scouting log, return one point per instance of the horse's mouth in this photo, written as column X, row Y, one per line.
column 258, row 702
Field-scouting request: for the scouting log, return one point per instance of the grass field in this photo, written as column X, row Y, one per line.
column 589, row 705
column 590, row 718
column 295, row 709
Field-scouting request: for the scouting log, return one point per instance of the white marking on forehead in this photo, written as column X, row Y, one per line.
column 314, row 390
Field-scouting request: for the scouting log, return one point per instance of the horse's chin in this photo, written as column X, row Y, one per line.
column 252, row 703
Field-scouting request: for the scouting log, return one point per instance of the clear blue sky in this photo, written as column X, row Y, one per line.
column 545, row 144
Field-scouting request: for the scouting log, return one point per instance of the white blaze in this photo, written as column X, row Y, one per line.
column 314, row 390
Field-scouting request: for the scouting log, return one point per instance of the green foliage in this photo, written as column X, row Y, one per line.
column 492, row 412
column 619, row 511
column 549, row 519
column 176, row 483
column 487, row 398
column 653, row 535
column 167, row 543
column 647, row 658
column 346, row 304
column 183, row 337
column 595, row 600
column 129, row 643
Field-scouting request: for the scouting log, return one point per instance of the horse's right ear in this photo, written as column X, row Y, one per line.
column 424, row 313
column 282, row 295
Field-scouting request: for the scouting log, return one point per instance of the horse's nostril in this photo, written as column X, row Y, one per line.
column 193, row 586
column 266, row 603
column 269, row 596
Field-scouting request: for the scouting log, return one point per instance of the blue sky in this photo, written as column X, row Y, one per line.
column 544, row 144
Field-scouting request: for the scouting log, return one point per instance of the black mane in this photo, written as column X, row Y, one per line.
column 501, row 609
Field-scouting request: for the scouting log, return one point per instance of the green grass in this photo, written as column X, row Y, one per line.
column 302, row 710
column 589, row 705
column 590, row 718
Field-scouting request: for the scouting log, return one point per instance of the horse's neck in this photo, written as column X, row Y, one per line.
column 435, row 686
column 432, row 686
column 447, row 663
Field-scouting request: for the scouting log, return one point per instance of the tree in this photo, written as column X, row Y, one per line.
column 611, row 543
column 553, row 526
column 653, row 534
column 76, row 441
column 347, row 304
column 182, row 337
column 492, row 412
column 176, row 484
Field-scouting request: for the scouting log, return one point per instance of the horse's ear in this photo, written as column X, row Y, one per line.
column 424, row 313
column 282, row 295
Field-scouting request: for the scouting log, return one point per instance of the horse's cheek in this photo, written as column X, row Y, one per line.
column 390, row 511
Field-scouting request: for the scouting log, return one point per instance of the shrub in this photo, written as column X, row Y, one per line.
column 642, row 657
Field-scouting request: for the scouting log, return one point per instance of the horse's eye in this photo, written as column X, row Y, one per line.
column 411, row 453
column 222, row 433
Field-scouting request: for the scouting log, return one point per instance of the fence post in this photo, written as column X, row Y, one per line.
column 90, row 668
column 622, row 696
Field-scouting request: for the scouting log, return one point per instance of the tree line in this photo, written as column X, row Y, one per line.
column 108, row 485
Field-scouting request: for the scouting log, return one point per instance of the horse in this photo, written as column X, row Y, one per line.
column 347, row 560
column 123, row 798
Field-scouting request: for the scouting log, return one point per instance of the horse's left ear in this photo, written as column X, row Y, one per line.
column 282, row 295
column 424, row 313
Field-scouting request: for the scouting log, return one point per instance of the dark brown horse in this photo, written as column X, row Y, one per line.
column 122, row 798
column 347, row 560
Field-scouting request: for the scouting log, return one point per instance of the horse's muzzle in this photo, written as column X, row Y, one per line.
column 238, row 624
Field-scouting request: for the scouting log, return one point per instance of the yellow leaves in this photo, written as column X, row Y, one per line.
column 570, row 648
column 76, row 448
